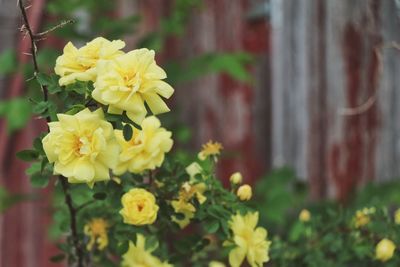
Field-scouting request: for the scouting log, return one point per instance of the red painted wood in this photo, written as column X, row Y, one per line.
column 23, row 239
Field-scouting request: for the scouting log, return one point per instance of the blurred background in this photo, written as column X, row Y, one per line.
column 308, row 85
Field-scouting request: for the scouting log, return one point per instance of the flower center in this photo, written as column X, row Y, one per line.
column 134, row 83
column 140, row 207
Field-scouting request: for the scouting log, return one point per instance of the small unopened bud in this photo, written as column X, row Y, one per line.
column 304, row 215
column 244, row 192
column 236, row 178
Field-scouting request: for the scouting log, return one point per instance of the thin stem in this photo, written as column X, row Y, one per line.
column 64, row 183
column 33, row 48
column 72, row 212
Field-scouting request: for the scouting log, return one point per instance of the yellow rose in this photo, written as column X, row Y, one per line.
column 82, row 146
column 210, row 149
column 96, row 229
column 80, row 64
column 304, row 215
column 140, row 256
column 362, row 217
column 244, row 192
column 185, row 208
column 183, row 205
column 125, row 83
column 236, row 178
column 139, row 207
column 250, row 242
column 146, row 149
column 384, row 250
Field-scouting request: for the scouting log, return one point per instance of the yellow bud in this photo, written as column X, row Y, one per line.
column 397, row 216
column 384, row 250
column 236, row 178
column 304, row 215
column 244, row 192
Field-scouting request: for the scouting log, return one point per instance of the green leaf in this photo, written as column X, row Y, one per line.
column 39, row 180
column 41, row 107
column 38, row 146
column 123, row 247
column 128, row 132
column 211, row 226
column 100, row 195
column 44, row 79
column 34, row 168
column 27, row 155
column 8, row 61
column 78, row 87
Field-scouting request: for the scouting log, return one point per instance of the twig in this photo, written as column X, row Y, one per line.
column 58, row 26
column 27, row 27
column 68, row 200
column 359, row 109
column 85, row 205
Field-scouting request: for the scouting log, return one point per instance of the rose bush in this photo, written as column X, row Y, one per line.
column 145, row 205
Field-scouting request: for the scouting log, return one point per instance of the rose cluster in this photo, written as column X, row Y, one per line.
column 86, row 148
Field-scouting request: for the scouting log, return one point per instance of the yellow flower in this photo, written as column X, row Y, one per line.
column 362, row 217
column 384, row 250
column 236, row 178
column 139, row 207
column 145, row 150
column 397, row 216
column 128, row 81
column 216, row 264
column 244, row 192
column 185, row 208
column 304, row 215
column 80, row 64
column 138, row 256
column 193, row 169
column 82, row 146
column 210, row 149
column 250, row 242
column 96, row 229
column 183, row 205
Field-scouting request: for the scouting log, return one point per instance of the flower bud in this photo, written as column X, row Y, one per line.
column 397, row 216
column 236, row 178
column 244, row 192
column 384, row 250
column 304, row 215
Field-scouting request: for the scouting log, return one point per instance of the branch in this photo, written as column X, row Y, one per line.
column 72, row 212
column 62, row 24
column 27, row 26
column 64, row 183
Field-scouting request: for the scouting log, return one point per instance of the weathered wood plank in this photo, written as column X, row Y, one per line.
column 334, row 92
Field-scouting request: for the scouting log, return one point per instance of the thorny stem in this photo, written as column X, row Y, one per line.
column 63, row 182
column 33, row 48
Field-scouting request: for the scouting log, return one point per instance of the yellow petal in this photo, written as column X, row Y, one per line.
column 84, row 170
column 155, row 102
column 236, row 257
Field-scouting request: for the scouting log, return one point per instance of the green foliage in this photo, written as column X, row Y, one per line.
column 17, row 112
column 8, row 199
column 330, row 238
column 8, row 62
